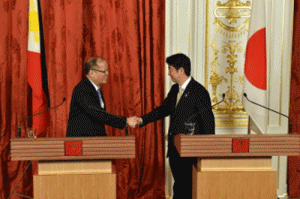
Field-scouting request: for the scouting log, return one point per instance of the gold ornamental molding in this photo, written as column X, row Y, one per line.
column 215, row 79
column 230, row 26
column 227, row 16
column 233, row 97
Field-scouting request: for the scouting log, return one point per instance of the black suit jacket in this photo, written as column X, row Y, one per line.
column 195, row 99
column 85, row 120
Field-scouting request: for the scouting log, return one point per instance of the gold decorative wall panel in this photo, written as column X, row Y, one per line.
column 227, row 33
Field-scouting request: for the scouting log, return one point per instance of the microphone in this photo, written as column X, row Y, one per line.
column 192, row 117
column 20, row 128
column 290, row 126
column 223, row 96
column 98, row 109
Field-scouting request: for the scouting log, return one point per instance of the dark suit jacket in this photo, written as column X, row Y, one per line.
column 195, row 99
column 87, row 121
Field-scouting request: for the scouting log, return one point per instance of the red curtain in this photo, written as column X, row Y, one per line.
column 129, row 34
column 294, row 161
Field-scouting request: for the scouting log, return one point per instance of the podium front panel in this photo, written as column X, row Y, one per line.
column 234, row 184
column 78, row 186
column 74, row 167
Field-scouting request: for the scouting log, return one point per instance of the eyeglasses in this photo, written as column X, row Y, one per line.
column 102, row 71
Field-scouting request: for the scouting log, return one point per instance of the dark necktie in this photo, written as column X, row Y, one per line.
column 100, row 98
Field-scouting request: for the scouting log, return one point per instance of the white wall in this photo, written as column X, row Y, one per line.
column 190, row 29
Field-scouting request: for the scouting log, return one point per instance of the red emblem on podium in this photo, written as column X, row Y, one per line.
column 240, row 145
column 73, row 148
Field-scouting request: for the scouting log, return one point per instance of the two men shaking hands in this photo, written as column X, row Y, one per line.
column 186, row 98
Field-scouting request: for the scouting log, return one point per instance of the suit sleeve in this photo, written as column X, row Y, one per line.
column 162, row 111
column 90, row 105
column 206, row 117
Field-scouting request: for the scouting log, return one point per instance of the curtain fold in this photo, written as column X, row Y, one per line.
column 129, row 34
column 294, row 161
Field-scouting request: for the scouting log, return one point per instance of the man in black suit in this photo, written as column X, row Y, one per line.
column 194, row 105
column 88, row 114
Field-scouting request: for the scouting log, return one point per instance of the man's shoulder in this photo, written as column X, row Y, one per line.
column 84, row 86
column 84, row 83
column 196, row 85
column 174, row 88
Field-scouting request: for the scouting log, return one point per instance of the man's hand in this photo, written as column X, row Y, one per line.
column 133, row 121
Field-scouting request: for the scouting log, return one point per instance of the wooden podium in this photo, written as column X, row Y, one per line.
column 235, row 166
column 74, row 168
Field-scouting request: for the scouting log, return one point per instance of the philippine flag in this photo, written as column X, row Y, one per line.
column 34, row 70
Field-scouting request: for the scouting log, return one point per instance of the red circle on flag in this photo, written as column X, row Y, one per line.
column 256, row 63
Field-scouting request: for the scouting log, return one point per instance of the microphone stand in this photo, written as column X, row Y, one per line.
column 126, row 130
column 13, row 191
column 20, row 128
column 290, row 125
column 19, row 135
column 223, row 96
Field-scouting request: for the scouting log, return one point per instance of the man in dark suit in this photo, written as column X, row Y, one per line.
column 194, row 105
column 88, row 114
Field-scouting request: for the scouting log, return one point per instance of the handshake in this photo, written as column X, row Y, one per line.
column 134, row 121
